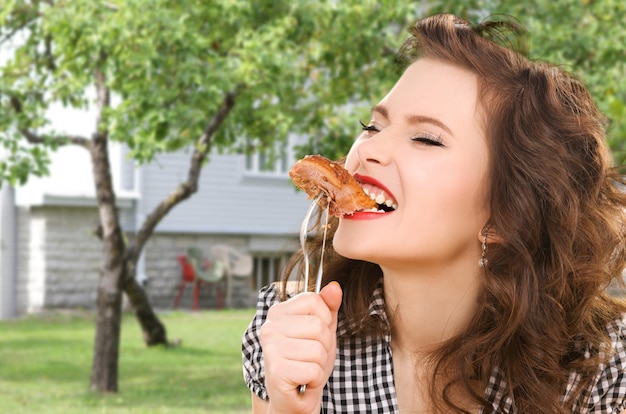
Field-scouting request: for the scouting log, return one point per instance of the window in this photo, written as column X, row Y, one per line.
column 265, row 163
column 267, row 269
column 128, row 170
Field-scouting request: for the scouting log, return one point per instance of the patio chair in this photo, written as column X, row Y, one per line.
column 238, row 265
column 187, row 276
column 196, row 270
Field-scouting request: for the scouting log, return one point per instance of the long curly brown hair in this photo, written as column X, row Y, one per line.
column 557, row 205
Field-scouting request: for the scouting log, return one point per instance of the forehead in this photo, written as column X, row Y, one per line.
column 433, row 88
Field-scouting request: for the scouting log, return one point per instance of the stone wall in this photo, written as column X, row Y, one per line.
column 58, row 258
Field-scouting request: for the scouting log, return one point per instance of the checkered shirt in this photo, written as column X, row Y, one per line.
column 362, row 379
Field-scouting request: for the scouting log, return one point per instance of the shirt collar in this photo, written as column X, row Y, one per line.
column 376, row 309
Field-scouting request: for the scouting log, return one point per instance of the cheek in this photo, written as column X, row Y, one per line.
column 352, row 159
column 464, row 199
column 453, row 191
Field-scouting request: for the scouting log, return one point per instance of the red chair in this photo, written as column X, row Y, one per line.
column 190, row 276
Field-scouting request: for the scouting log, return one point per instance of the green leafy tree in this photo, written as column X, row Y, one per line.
column 173, row 73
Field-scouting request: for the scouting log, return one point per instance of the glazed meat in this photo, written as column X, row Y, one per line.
column 315, row 174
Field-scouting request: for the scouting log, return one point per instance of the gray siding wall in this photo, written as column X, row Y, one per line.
column 229, row 200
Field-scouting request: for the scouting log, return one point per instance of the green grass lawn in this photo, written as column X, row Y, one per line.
column 45, row 365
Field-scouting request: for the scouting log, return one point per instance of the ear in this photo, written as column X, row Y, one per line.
column 491, row 234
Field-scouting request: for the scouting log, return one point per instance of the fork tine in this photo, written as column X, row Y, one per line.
column 304, row 230
column 320, row 269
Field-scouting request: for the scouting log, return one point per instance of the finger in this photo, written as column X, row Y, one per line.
column 303, row 304
column 305, row 326
column 308, row 351
column 299, row 373
column 332, row 295
column 294, row 333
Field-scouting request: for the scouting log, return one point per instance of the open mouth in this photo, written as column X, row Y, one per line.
column 385, row 202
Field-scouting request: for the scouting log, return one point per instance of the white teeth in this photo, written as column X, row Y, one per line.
column 380, row 199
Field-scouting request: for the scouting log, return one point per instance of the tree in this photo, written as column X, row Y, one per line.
column 173, row 73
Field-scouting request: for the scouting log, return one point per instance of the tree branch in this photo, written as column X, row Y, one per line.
column 13, row 32
column 35, row 138
column 30, row 14
column 49, row 56
column 190, row 186
column 103, row 94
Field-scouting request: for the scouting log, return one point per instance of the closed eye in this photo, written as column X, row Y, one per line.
column 369, row 128
column 428, row 139
column 424, row 138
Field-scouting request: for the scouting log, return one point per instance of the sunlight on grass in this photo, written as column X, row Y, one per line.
column 45, row 364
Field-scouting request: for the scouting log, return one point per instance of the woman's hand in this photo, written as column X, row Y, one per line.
column 299, row 346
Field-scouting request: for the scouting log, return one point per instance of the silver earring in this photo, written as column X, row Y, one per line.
column 483, row 256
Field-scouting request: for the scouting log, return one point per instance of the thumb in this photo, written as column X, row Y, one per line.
column 331, row 295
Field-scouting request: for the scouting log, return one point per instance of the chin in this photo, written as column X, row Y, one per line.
column 354, row 248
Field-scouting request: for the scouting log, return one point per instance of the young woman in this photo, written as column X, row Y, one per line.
column 484, row 291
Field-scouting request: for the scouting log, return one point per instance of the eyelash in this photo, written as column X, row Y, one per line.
column 424, row 138
column 368, row 128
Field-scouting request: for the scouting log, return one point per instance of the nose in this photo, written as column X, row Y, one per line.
column 375, row 150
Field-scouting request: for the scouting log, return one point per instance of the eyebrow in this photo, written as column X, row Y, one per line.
column 414, row 119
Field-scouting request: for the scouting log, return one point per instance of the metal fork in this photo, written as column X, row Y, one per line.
column 304, row 230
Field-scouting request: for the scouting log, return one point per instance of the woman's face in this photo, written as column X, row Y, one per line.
column 423, row 150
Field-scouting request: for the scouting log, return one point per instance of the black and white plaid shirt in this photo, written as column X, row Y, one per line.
column 362, row 380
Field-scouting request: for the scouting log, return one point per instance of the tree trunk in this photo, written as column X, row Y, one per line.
column 112, row 272
column 104, row 371
column 154, row 332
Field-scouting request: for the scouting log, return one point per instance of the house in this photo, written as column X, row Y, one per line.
column 54, row 256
